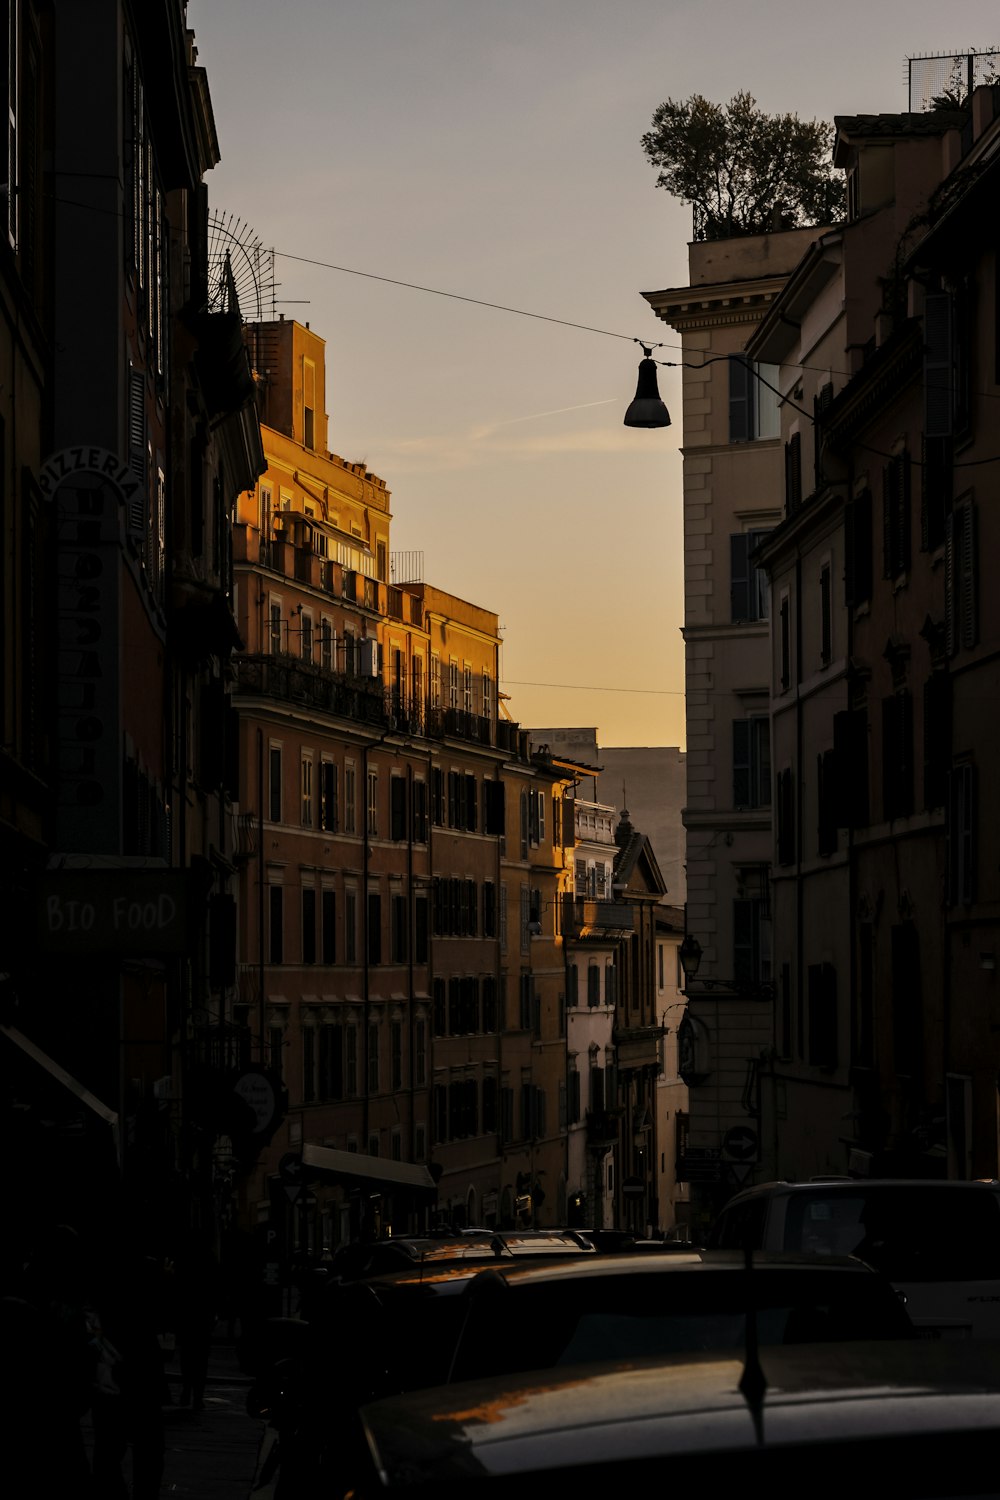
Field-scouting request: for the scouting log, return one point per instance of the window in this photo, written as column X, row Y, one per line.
column 749, row 595
column 308, row 1064
column 417, row 688
column 785, row 644
column 374, row 1069
column 351, row 1061
column 350, row 800
column 960, row 577
column 420, row 929
column 786, row 818
column 593, row 985
column 467, row 688
column 420, row 1053
column 572, row 986
column 525, row 918
column 372, row 818
column 897, row 756
column 435, row 681
column 307, row 791
column 328, row 913
column 489, row 1105
column 487, row 696
column 524, row 825
column 525, row 1006
column 752, row 761
column 308, row 925
column 503, row 918
column 307, row 637
column 753, row 404
column 327, row 645
column 850, row 741
column 396, row 1055
column 858, row 568
column 437, row 796
column 489, row 909
column 490, row 1016
column 274, row 783
column 274, row 625
column 863, row 1037
column 328, row 796
column 751, row 942
column 793, row 474
column 397, row 808
column 937, row 739
column 276, row 896
column 828, row 802
column 374, row 927
column 439, row 1015
column 610, row 985
column 420, row 812
column 381, row 562
column 825, row 615
column 896, row 516
column 962, row 835
column 821, row 982
column 453, row 684
column 351, row 926
column 399, row 932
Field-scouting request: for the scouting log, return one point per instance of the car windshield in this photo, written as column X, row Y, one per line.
column 909, row 1234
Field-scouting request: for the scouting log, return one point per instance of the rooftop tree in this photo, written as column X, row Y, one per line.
column 744, row 171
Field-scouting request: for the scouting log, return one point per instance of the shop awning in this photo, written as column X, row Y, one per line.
column 375, row 1171
column 67, row 1080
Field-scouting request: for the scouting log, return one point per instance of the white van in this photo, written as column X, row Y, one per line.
column 937, row 1242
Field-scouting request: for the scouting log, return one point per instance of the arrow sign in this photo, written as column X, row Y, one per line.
column 740, row 1143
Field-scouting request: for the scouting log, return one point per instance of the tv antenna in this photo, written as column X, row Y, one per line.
column 231, row 238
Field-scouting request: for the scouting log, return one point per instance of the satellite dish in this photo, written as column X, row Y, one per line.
column 231, row 239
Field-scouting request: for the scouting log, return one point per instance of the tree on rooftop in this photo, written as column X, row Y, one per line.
column 744, row 171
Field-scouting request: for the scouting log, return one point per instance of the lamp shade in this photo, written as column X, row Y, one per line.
column 647, row 410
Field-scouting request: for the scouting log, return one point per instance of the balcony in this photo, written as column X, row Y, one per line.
column 638, row 1046
column 584, row 917
column 294, row 681
column 602, row 1128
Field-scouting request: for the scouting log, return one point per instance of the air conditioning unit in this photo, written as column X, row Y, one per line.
column 368, row 657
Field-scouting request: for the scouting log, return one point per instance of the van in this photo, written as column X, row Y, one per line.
column 937, row 1242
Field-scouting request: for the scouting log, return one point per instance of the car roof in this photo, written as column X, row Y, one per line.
column 687, row 1262
column 850, row 1185
column 584, row 1418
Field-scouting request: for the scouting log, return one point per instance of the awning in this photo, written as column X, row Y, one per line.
column 68, row 1081
column 352, row 1166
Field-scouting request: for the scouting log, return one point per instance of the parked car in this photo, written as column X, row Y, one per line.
column 911, row 1419
column 435, row 1325
column 623, row 1307
column 380, row 1257
column 938, row 1242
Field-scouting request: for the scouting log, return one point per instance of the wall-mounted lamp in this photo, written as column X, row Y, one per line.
column 689, row 954
column 647, row 409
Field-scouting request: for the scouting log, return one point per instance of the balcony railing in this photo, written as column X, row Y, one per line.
column 295, row 681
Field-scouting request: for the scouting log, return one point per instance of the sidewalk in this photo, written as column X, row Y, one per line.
column 211, row 1454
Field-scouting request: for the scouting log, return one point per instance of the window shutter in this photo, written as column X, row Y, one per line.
column 793, row 474
column 937, row 738
column 741, row 762
column 397, row 798
column 938, row 372
column 137, row 450
column 740, row 399
column 967, row 574
column 470, row 804
column 950, row 600
column 739, row 576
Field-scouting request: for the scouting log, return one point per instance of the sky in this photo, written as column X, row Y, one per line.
column 491, row 149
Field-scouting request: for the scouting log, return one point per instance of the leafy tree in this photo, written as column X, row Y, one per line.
column 743, row 171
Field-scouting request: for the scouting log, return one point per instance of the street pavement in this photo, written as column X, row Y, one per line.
column 211, row 1454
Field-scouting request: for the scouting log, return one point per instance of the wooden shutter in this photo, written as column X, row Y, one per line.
column 938, row 368
column 741, row 763
column 741, row 424
column 739, row 576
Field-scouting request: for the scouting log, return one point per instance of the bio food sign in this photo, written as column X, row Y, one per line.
column 112, row 911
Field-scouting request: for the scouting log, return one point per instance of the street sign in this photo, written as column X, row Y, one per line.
column 741, row 1143
column 739, row 1172
column 290, row 1172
